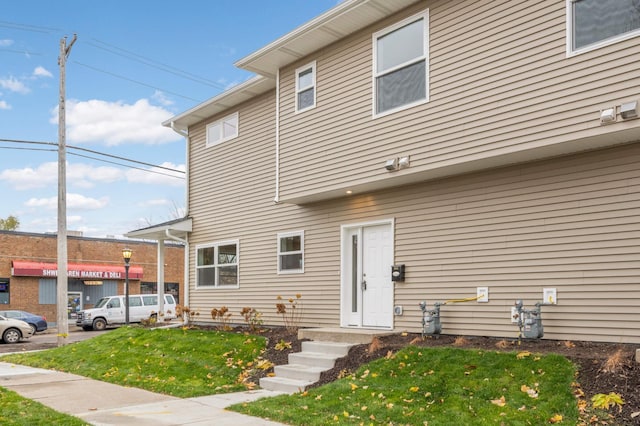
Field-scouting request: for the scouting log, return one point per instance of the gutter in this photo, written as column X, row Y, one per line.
column 277, row 123
column 185, row 241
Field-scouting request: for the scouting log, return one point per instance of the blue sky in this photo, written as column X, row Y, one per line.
column 134, row 64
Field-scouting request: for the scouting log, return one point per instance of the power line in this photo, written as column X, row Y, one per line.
column 134, row 81
column 18, row 141
column 131, row 167
column 30, row 28
column 22, row 52
column 155, row 64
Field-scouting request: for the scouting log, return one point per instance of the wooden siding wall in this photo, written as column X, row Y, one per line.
column 570, row 223
column 499, row 81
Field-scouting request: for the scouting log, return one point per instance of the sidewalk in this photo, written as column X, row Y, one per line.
column 102, row 404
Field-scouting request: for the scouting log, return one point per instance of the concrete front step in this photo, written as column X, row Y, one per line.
column 305, row 367
column 299, row 372
column 355, row 336
column 283, row 384
column 313, row 359
column 329, row 348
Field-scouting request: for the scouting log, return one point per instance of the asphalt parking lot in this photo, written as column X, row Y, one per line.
column 48, row 339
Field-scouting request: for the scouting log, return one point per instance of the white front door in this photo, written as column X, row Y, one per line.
column 367, row 289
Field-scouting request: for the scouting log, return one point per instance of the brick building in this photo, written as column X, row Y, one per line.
column 28, row 271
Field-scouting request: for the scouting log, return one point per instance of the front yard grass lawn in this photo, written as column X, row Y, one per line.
column 436, row 386
column 416, row 385
column 178, row 362
column 17, row 410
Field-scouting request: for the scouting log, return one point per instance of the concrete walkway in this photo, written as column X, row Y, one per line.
column 101, row 403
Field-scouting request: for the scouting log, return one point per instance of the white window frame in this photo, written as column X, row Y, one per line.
column 223, row 138
column 281, row 253
column 424, row 15
column 569, row 36
column 217, row 265
column 312, row 66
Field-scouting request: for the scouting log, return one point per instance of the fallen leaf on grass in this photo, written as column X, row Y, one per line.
column 556, row 419
column 523, row 354
column 501, row 402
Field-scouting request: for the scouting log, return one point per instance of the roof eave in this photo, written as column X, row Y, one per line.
column 340, row 21
column 251, row 88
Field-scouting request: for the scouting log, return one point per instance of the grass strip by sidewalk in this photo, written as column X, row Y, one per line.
column 20, row 411
column 178, row 362
column 436, row 386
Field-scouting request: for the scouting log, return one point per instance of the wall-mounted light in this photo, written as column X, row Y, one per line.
column 608, row 115
column 391, row 164
column 629, row 110
column 404, row 162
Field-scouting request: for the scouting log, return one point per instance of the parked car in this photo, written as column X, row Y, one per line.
column 12, row 330
column 37, row 322
column 110, row 311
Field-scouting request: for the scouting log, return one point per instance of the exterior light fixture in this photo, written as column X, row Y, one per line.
column 391, row 164
column 126, row 255
column 608, row 115
column 404, row 162
column 629, row 110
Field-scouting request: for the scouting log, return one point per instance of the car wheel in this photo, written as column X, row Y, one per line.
column 99, row 324
column 11, row 335
column 33, row 328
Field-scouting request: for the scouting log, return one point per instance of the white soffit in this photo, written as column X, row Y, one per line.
column 223, row 102
column 344, row 19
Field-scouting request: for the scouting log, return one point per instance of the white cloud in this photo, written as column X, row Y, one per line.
column 116, row 123
column 4, row 105
column 29, row 178
column 46, row 174
column 159, row 177
column 6, row 42
column 154, row 203
column 14, row 85
column 74, row 201
column 161, row 98
column 42, row 72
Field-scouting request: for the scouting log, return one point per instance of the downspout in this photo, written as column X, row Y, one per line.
column 277, row 197
column 186, row 213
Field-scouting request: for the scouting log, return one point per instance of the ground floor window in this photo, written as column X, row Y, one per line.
column 217, row 264
column 151, row 287
column 291, row 252
column 4, row 291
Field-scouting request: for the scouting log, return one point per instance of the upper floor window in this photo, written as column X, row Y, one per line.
column 291, row 252
column 217, row 264
column 595, row 23
column 400, row 64
column 306, row 87
column 222, row 130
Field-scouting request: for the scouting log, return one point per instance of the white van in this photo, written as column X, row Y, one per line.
column 110, row 310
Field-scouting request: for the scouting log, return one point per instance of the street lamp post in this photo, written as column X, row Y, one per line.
column 126, row 254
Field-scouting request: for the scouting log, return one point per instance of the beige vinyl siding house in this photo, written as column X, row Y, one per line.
column 512, row 181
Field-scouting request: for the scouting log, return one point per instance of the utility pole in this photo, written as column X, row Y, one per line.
column 62, row 278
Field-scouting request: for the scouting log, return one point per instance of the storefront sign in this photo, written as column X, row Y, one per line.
column 74, row 270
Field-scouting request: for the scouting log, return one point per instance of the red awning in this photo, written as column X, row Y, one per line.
column 80, row 271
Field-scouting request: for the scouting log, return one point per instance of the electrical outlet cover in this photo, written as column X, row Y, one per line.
column 483, row 294
column 549, row 296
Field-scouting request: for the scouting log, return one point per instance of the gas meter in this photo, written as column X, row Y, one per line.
column 529, row 321
column 431, row 319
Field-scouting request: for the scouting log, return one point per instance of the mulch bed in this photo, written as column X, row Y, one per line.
column 590, row 357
